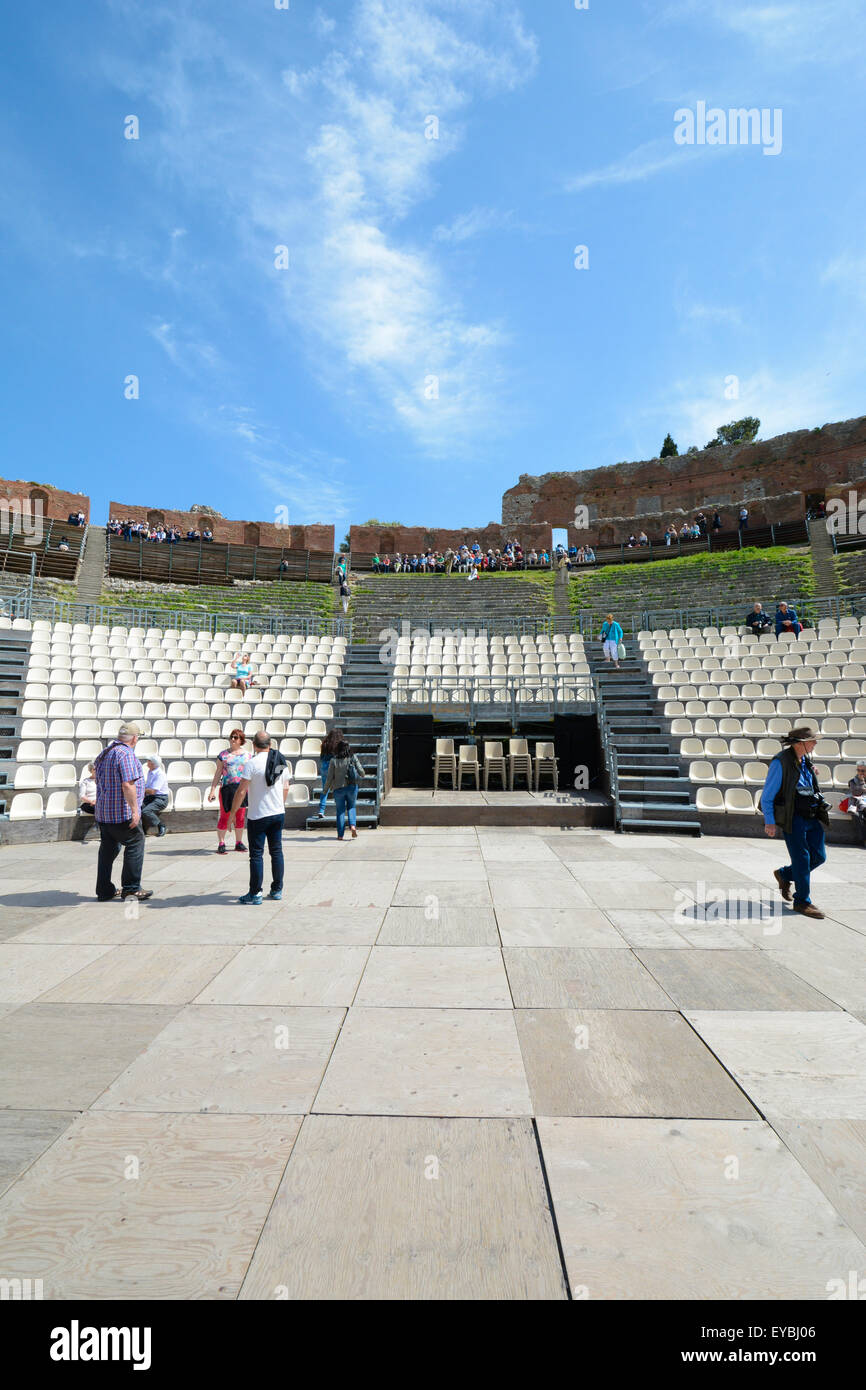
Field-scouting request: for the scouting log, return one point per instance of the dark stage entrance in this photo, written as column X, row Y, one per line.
column 575, row 736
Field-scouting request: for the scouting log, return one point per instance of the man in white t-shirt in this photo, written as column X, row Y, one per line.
column 266, row 814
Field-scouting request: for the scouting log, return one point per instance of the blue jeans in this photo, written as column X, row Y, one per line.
column 806, row 848
column 323, row 770
column 345, row 798
column 269, row 828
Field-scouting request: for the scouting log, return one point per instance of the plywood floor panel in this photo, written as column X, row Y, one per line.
column 554, row 977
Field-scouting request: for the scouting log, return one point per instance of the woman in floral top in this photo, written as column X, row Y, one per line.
column 229, row 771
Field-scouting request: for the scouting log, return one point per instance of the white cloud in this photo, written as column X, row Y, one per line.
column 794, row 31
column 189, row 352
column 474, row 223
column 695, row 407
column 641, row 163
column 848, row 272
column 329, row 161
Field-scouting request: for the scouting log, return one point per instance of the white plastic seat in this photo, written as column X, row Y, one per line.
column 203, row 770
column 188, row 799
column 62, row 803
column 27, row 805
column 729, row 774
column 299, row 794
column 740, row 801
column 30, row 777
column 709, row 799
column 179, row 772
column 306, row 770
column 30, row 751
column 702, row 772
column 62, row 775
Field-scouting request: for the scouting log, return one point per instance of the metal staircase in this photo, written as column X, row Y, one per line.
column 363, row 713
column 647, row 781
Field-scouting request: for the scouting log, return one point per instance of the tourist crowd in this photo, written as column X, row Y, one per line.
column 466, row 558
column 169, row 535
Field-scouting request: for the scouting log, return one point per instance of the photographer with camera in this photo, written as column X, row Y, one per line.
column 792, row 801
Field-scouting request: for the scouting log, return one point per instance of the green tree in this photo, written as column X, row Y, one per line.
column 669, row 448
column 376, row 522
column 737, row 432
column 344, row 544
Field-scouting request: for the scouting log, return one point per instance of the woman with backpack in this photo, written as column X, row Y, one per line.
column 330, row 743
column 344, row 775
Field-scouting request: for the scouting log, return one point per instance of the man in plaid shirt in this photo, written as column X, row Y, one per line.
column 119, row 794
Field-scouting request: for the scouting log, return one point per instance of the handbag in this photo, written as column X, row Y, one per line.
column 620, row 651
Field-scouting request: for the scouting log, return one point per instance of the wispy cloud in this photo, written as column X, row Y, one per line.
column 648, row 159
column 794, row 31
column 848, row 272
column 373, row 309
column 184, row 350
column 474, row 223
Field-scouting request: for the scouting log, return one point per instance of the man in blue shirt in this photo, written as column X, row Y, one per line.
column 119, row 780
column 786, row 619
column 791, row 802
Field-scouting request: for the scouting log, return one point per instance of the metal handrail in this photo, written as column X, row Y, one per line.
column 382, row 759
column 609, row 753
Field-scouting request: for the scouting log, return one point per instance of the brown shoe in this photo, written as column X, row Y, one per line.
column 808, row 910
column 784, row 885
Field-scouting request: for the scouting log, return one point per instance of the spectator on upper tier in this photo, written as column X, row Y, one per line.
column 670, row 534
column 207, row 535
column 589, row 555
column 717, row 521
column 758, row 620
column 64, row 544
column 787, row 620
column 632, row 542
column 377, row 564
column 701, row 521
column 643, row 538
column 744, row 518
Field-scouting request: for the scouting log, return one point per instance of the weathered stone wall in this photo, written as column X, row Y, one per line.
column 56, row 504
column 230, row 532
column 772, row 476
column 412, row 540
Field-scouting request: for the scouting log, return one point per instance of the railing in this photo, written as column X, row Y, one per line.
column 455, row 624
column 609, row 755
column 215, row 561
column 508, row 698
column 175, row 619
column 382, row 758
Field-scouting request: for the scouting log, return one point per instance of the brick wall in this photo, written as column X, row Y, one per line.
column 232, row 532
column 56, row 505
column 772, row 476
column 389, row 540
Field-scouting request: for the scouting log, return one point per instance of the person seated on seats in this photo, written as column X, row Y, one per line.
column 87, row 791
column 589, row 556
column 155, row 796
column 243, row 677
column 72, row 519
column 643, row 538
column 377, row 564
column 64, row 544
column 207, row 535
column 786, row 619
column 631, row 542
column 857, row 799
column 758, row 620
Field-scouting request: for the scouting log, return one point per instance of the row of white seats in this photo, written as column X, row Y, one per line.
column 51, row 705
column 173, row 695
column 239, row 640
column 179, row 772
column 824, row 626
column 30, row 805
column 826, row 748
column 773, row 690
column 753, row 774
column 35, row 751
column 739, row 801
column 766, row 709
column 106, row 709
column 831, row 726
column 405, row 692
column 42, row 730
column 795, row 662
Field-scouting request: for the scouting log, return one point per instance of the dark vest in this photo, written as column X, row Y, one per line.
column 783, row 806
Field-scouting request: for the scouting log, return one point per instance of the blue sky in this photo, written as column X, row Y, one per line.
column 413, row 258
